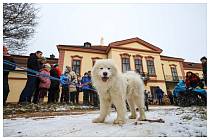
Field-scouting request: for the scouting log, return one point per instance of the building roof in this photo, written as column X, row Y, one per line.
column 136, row 39
column 169, row 58
column 82, row 48
column 192, row 66
column 105, row 49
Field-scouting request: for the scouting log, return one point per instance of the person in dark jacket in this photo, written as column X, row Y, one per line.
column 170, row 96
column 79, row 89
column 192, row 80
column 32, row 81
column 204, row 66
column 159, row 92
column 146, row 96
column 86, row 81
column 7, row 68
column 54, row 90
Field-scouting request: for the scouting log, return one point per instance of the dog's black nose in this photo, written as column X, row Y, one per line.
column 105, row 73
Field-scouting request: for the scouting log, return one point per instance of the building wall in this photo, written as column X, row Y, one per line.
column 167, row 68
column 17, row 82
column 115, row 55
column 86, row 63
column 158, row 68
column 135, row 45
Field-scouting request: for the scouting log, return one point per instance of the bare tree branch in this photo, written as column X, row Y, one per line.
column 19, row 21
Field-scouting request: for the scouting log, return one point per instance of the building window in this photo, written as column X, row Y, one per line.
column 150, row 66
column 174, row 73
column 125, row 64
column 125, row 58
column 94, row 60
column 138, row 63
column 76, row 64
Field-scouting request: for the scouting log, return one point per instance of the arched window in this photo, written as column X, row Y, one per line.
column 138, row 63
column 125, row 59
column 150, row 65
column 94, row 59
column 76, row 63
column 174, row 72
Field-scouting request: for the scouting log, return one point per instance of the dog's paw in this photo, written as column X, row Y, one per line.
column 98, row 120
column 132, row 117
column 142, row 115
column 120, row 122
column 142, row 118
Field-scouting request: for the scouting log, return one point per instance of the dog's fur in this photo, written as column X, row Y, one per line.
column 114, row 88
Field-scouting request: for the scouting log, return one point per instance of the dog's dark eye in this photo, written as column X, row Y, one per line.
column 109, row 68
column 101, row 68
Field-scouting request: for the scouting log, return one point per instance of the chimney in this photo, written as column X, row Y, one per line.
column 52, row 56
column 87, row 44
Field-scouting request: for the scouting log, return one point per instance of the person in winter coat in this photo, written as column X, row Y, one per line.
column 32, row 81
column 93, row 94
column 204, row 66
column 7, row 68
column 86, row 81
column 159, row 92
column 53, row 94
column 79, row 89
column 66, row 80
column 192, row 80
column 42, row 61
column 146, row 94
column 72, row 86
column 170, row 96
column 45, row 82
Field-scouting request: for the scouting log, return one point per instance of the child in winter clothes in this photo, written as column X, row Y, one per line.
column 45, row 82
column 86, row 81
column 65, row 86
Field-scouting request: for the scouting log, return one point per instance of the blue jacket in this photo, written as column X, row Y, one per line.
column 65, row 81
column 159, row 93
column 85, row 80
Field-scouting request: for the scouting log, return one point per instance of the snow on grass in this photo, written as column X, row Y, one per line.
column 187, row 122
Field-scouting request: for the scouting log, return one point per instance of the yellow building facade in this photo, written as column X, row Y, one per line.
column 163, row 71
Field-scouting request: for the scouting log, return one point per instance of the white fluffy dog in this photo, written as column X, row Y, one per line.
column 114, row 88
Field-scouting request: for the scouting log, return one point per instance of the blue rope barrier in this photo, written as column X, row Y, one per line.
column 62, row 79
column 30, row 70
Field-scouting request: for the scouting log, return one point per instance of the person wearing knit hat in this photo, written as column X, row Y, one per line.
column 45, row 82
column 43, row 60
column 47, row 66
column 55, row 65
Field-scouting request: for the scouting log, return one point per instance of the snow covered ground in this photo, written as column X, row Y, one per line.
column 189, row 121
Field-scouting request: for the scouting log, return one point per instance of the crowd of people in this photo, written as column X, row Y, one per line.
column 38, row 86
column 41, row 85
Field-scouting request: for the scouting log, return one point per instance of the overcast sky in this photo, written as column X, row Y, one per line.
column 180, row 30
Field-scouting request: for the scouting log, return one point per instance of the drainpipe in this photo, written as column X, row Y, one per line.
column 163, row 72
